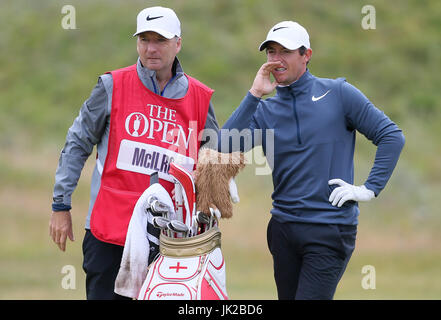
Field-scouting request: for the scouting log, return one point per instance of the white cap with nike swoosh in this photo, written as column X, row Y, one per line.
column 289, row 34
column 160, row 20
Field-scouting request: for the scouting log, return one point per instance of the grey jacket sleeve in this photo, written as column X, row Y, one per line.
column 82, row 136
column 210, row 134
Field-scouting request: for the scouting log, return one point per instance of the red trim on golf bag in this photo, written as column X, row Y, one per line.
column 186, row 278
column 147, row 133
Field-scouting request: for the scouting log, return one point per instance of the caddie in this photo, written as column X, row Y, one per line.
column 141, row 118
column 311, row 234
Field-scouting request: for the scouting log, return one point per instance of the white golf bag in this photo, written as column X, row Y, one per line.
column 187, row 269
column 189, row 265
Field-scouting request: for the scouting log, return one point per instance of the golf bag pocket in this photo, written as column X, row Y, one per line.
column 187, row 269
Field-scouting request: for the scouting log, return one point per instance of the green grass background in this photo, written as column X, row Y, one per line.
column 47, row 72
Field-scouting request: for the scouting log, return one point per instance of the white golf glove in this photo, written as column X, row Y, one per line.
column 347, row 191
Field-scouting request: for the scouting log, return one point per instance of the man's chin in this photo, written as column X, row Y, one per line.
column 279, row 79
column 152, row 65
column 284, row 81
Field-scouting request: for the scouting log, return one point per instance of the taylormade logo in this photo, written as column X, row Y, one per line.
column 169, row 294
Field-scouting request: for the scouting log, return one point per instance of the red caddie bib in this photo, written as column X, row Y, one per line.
column 147, row 133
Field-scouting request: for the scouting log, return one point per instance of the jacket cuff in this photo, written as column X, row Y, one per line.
column 372, row 188
column 251, row 98
column 60, row 207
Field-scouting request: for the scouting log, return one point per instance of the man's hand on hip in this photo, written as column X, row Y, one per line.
column 60, row 227
column 346, row 192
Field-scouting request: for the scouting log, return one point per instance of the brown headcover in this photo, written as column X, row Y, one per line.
column 212, row 176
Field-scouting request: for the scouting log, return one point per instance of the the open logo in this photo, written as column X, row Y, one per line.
column 136, row 124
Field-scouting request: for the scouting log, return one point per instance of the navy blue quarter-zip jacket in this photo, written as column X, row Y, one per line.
column 314, row 123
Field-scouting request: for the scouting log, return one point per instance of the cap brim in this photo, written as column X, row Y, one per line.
column 163, row 33
column 283, row 42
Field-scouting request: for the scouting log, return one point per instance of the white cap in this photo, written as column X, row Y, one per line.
column 289, row 34
column 160, row 20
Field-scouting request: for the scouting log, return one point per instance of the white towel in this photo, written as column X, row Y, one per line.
column 134, row 262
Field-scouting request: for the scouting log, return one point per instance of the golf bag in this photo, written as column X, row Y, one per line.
column 187, row 269
column 190, row 264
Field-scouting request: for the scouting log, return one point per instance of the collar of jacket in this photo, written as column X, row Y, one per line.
column 298, row 86
column 145, row 74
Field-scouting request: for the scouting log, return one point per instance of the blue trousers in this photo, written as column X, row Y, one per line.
column 309, row 258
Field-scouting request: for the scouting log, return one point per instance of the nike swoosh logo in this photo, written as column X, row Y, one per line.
column 275, row 29
column 153, row 18
column 322, row 96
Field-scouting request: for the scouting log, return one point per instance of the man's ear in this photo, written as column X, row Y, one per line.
column 178, row 45
column 308, row 54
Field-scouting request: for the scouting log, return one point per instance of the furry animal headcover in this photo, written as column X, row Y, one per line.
column 212, row 176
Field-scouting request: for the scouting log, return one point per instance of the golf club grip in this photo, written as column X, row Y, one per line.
column 154, row 178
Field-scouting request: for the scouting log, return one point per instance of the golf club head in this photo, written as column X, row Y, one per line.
column 148, row 208
column 150, row 200
column 158, row 207
column 178, row 226
column 202, row 218
column 160, row 222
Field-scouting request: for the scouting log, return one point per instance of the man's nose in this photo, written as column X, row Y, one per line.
column 274, row 57
column 152, row 47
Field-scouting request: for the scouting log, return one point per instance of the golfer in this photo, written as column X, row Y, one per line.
column 141, row 118
column 312, row 231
